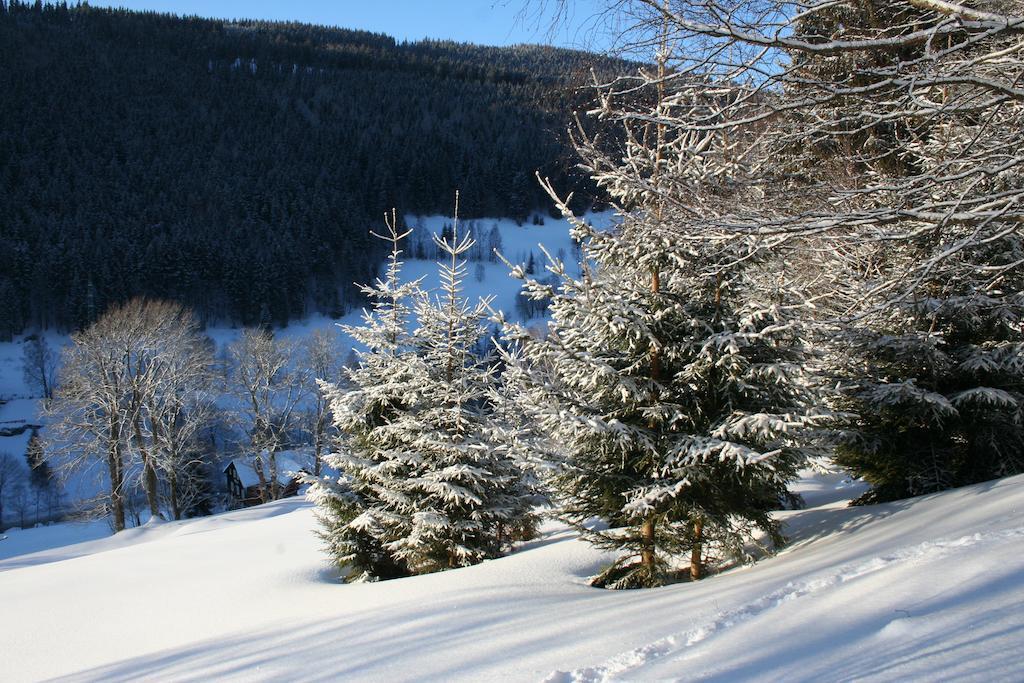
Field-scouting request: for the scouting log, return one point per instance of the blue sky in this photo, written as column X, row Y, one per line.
column 489, row 22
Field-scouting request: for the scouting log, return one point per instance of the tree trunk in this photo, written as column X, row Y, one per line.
column 275, row 484
column 265, row 492
column 151, row 487
column 696, row 565
column 149, row 478
column 318, row 441
column 655, row 351
column 116, row 498
column 172, row 481
column 648, row 547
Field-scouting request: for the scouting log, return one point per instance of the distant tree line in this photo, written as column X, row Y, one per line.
column 237, row 167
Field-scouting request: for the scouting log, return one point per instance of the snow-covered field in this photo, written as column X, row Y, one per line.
column 926, row 589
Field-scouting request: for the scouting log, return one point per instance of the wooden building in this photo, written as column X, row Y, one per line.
column 244, row 484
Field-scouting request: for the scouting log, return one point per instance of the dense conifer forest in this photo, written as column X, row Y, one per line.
column 237, row 166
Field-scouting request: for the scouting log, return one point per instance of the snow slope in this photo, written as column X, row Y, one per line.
column 931, row 588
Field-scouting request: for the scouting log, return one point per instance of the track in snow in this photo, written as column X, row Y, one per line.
column 627, row 663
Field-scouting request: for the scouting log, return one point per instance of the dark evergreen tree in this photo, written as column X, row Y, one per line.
column 35, row 457
column 930, row 368
column 40, row 476
column 937, row 395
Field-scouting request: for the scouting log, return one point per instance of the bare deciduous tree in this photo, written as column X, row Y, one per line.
column 129, row 396
column 269, row 390
column 834, row 130
column 87, row 420
column 322, row 358
column 39, row 365
column 177, row 410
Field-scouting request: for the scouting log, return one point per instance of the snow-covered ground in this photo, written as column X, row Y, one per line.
column 926, row 589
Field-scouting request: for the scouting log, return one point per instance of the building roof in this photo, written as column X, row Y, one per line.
column 287, row 466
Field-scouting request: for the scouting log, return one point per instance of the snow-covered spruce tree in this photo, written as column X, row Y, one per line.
column 467, row 495
column 363, row 509
column 678, row 407
column 670, row 376
column 524, row 444
column 426, row 484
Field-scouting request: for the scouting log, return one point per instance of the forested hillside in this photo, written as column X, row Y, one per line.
column 237, row 167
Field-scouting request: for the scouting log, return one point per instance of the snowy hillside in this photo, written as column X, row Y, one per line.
column 914, row 590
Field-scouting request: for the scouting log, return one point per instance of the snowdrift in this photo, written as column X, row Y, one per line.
column 920, row 589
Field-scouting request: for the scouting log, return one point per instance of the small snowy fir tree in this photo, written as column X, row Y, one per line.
column 356, row 508
column 426, row 483
column 466, row 495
